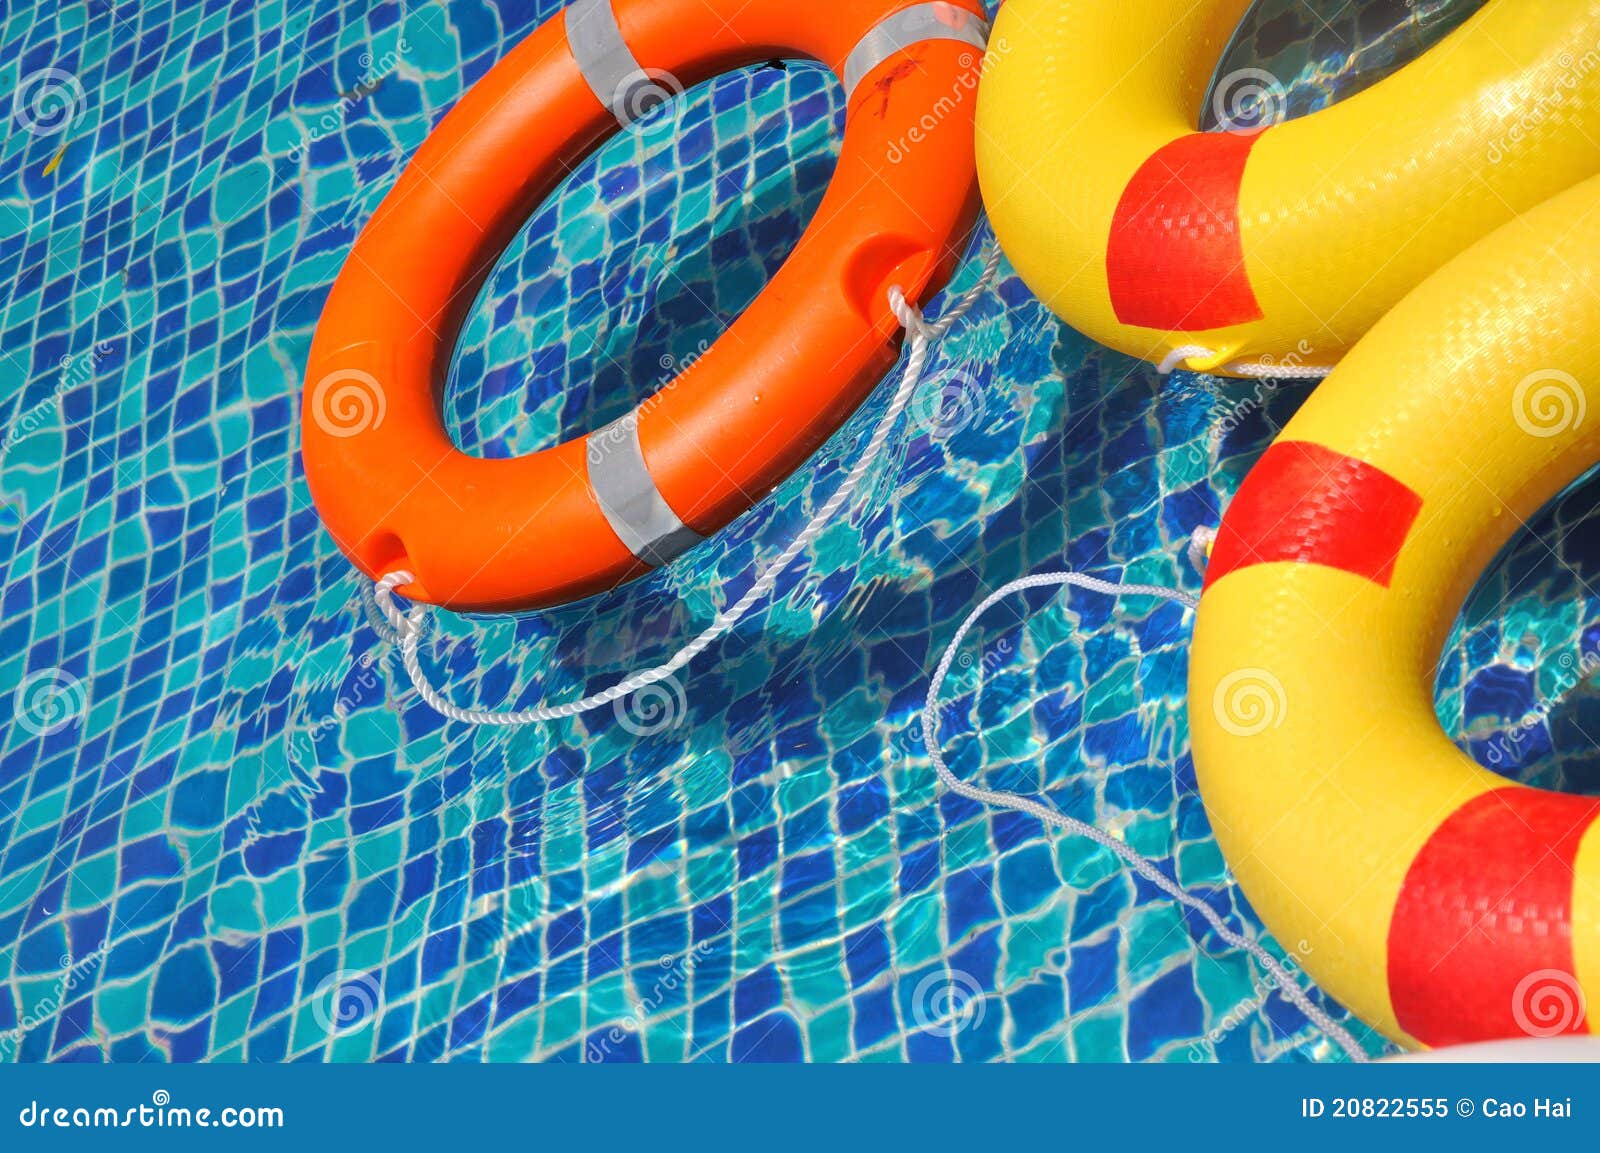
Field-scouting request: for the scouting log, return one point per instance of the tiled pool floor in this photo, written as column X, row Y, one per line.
column 229, row 830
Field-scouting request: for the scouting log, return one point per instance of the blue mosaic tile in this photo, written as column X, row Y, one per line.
column 229, row 830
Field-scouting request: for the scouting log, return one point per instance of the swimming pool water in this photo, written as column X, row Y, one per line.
column 229, row 830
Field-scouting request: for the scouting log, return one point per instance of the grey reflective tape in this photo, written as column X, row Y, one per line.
column 606, row 61
column 907, row 27
column 634, row 507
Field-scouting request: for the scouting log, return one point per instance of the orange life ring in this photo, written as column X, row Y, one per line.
column 587, row 515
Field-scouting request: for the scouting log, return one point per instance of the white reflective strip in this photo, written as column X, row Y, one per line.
column 606, row 61
column 910, row 26
column 627, row 493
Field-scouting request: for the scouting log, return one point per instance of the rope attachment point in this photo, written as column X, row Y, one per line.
column 1255, row 370
column 407, row 626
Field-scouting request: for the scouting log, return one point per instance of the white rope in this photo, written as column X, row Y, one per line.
column 1262, row 370
column 408, row 626
column 1051, row 816
column 1200, row 547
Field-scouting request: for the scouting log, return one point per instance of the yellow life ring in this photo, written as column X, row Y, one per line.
column 1286, row 245
column 1442, row 903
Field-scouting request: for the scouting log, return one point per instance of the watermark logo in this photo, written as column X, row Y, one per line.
column 947, row 1004
column 1547, row 1003
column 1249, row 702
column 1549, row 403
column 348, row 402
column 160, row 1113
column 653, row 709
column 1249, row 101
column 958, row 403
column 47, row 102
column 648, row 100
column 48, row 701
column 344, row 1001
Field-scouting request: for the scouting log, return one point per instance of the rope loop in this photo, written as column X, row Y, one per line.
column 1052, row 816
column 401, row 624
column 909, row 315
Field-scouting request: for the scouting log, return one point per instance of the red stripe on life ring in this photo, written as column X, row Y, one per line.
column 1480, row 945
column 1175, row 260
column 1308, row 504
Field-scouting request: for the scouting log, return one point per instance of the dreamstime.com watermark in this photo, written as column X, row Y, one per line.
column 968, row 676
column 965, row 87
column 158, row 1113
column 373, row 73
column 46, row 1010
column 359, row 691
column 1205, row 1049
column 301, row 788
column 675, row 971
column 1236, row 410
column 348, row 402
column 1574, row 671
column 950, row 405
column 75, row 370
column 603, row 442
column 293, row 792
column 1552, row 104
column 1233, row 410
column 655, row 708
column 648, row 101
